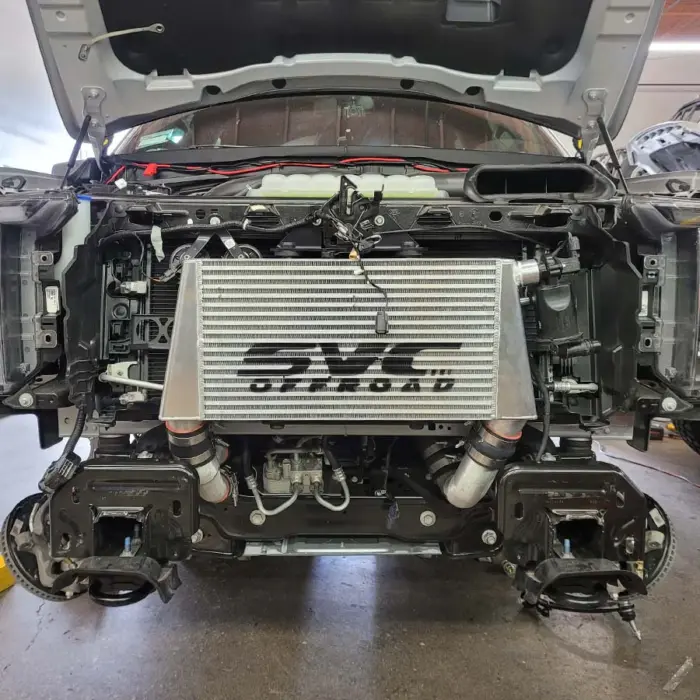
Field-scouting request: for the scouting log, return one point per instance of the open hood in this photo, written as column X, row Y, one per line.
column 560, row 63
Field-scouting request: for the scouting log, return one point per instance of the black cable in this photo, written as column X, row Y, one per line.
column 76, row 150
column 203, row 228
column 329, row 454
column 101, row 220
column 120, row 236
column 381, row 321
column 238, row 224
column 282, row 228
column 387, row 462
column 246, row 459
column 63, row 469
column 461, row 228
column 80, row 420
column 547, row 411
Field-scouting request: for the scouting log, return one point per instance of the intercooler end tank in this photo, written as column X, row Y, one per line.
column 191, row 445
column 489, row 448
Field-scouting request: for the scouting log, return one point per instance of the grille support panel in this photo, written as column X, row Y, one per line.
column 295, row 340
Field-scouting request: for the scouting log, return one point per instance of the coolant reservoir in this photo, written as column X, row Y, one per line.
column 324, row 185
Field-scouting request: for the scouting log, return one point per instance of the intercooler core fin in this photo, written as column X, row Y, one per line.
column 295, row 340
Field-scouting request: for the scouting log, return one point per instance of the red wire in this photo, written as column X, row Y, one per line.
column 151, row 169
column 430, row 168
column 115, row 175
column 369, row 159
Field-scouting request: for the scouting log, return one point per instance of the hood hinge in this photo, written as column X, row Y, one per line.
column 595, row 107
column 93, row 97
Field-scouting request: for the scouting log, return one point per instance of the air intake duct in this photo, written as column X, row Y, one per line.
column 489, row 447
column 191, row 445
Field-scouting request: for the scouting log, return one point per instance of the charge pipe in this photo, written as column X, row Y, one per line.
column 191, row 444
column 488, row 450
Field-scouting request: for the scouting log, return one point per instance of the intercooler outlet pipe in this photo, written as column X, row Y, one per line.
column 191, row 445
column 489, row 448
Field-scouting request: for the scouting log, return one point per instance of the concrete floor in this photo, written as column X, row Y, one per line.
column 342, row 628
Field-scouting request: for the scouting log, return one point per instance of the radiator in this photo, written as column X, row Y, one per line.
column 296, row 340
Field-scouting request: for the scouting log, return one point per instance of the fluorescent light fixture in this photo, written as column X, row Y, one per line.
column 675, row 46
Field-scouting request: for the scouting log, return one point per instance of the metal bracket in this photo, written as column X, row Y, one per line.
column 646, row 408
column 118, row 373
column 654, row 269
column 93, row 97
column 45, row 319
column 649, row 341
column 142, row 324
column 653, row 276
column 594, row 99
column 131, row 397
column 147, row 571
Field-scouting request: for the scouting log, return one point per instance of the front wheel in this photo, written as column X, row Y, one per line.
column 690, row 432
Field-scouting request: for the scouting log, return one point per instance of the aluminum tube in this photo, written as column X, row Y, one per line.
column 138, row 383
column 192, row 446
column 331, row 506
column 478, row 468
column 213, row 485
column 252, row 485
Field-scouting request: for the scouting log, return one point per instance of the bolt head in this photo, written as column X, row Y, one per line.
column 380, row 492
column 26, row 400
column 427, row 518
column 257, row 518
column 669, row 404
column 379, row 220
column 215, row 220
column 489, row 537
column 509, row 569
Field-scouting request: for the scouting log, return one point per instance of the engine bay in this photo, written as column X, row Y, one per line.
column 280, row 372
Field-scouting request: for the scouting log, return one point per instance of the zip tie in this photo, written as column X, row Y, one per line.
column 157, row 243
column 84, row 52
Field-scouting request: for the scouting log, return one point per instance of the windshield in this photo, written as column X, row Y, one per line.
column 338, row 120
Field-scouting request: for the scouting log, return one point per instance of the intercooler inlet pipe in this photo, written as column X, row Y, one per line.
column 488, row 450
column 191, row 445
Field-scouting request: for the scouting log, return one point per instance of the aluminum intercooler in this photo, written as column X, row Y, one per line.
column 296, row 340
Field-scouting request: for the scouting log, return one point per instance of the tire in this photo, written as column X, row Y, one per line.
column 690, row 432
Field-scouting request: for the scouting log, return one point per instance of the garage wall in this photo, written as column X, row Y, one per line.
column 668, row 81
